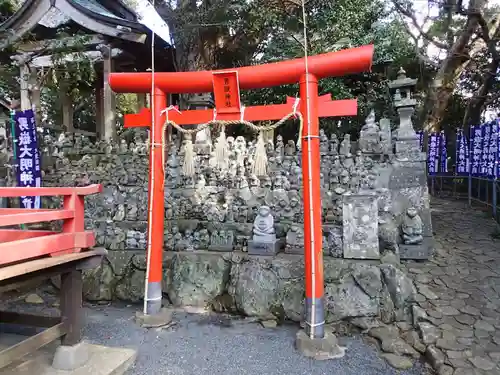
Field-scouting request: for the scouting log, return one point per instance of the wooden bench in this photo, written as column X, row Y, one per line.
column 37, row 255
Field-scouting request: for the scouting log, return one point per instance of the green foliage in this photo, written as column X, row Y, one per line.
column 211, row 34
column 73, row 76
column 335, row 26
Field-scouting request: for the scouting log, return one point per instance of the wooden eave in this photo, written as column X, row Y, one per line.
column 33, row 11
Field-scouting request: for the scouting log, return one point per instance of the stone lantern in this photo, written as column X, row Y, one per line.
column 402, row 89
column 203, row 139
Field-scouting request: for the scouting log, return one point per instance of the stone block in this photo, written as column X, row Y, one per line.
column 68, row 358
column 405, row 177
column 319, row 348
column 163, row 318
column 407, row 148
column 271, row 247
column 420, row 251
column 345, row 299
column 196, row 279
column 294, row 250
column 360, row 226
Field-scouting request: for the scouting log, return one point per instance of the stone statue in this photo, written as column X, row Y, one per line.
column 263, row 225
column 295, row 240
column 345, row 146
column 254, row 181
column 203, row 137
column 140, row 145
column 280, row 145
column 290, row 148
column 204, row 239
column 221, row 240
column 369, row 138
column 123, row 146
column 334, row 144
column 264, row 241
column 323, row 142
column 412, row 227
column 189, row 240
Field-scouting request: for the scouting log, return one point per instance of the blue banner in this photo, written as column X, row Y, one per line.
column 28, row 157
column 462, row 154
column 476, row 149
column 443, row 153
column 491, row 150
column 433, row 154
column 486, row 131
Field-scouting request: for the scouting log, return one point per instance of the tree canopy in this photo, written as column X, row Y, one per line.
column 450, row 46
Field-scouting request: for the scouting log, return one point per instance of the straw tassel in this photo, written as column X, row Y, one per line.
column 188, row 166
column 260, row 164
column 221, row 149
column 299, row 140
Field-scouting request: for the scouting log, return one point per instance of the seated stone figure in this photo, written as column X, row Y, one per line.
column 263, row 226
column 412, row 227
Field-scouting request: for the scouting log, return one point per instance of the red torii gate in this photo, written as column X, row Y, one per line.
column 226, row 85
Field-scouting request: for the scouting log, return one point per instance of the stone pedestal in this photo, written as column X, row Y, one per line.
column 407, row 148
column 264, row 245
column 420, row 251
column 68, row 358
column 408, row 185
column 163, row 318
column 319, row 348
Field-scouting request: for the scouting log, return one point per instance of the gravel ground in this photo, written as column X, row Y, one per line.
column 199, row 344
column 214, row 344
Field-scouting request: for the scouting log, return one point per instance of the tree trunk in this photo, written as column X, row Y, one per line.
column 450, row 70
column 476, row 104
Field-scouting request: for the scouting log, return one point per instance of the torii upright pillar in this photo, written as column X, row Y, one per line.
column 226, row 85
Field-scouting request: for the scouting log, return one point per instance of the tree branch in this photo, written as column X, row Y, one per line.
column 408, row 13
column 420, row 56
column 490, row 40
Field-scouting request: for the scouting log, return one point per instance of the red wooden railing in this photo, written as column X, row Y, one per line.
column 18, row 244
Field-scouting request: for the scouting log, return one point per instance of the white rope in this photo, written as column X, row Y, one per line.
column 151, row 194
column 242, row 117
column 295, row 106
column 168, row 109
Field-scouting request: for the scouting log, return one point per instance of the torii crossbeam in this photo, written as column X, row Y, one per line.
column 226, row 85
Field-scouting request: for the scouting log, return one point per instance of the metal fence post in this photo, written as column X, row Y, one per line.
column 469, row 190
column 494, row 199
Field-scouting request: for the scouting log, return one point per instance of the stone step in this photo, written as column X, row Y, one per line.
column 102, row 361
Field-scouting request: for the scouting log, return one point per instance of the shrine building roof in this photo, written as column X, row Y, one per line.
column 110, row 18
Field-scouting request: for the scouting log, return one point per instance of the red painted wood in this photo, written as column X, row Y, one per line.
column 7, row 235
column 156, row 200
column 332, row 64
column 226, row 90
column 313, row 253
column 16, row 251
column 335, row 108
column 28, row 217
column 48, row 191
column 12, row 211
column 21, row 245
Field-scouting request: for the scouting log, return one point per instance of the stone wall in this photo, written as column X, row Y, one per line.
column 209, row 221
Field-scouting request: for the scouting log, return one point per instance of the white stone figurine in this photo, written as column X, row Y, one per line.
column 263, row 226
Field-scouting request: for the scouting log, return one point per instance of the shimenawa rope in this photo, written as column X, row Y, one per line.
column 260, row 163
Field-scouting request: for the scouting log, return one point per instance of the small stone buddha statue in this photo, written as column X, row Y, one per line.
column 412, row 227
column 263, row 226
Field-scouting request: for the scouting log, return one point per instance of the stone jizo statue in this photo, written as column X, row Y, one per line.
column 263, row 225
column 412, row 227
